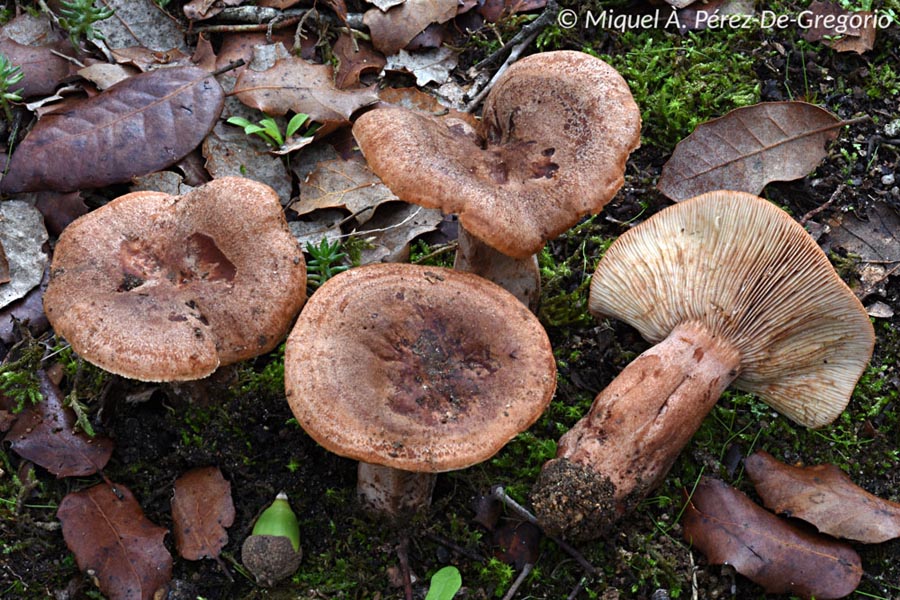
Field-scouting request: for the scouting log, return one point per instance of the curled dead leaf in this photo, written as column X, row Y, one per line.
column 824, row 496
column 109, row 535
column 729, row 528
column 45, row 434
column 202, row 509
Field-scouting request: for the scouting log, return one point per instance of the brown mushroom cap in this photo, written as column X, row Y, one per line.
column 556, row 132
column 416, row 368
column 745, row 270
column 163, row 288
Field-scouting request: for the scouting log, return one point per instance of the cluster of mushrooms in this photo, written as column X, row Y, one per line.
column 416, row 370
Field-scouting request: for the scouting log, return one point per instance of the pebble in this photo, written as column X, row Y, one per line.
column 887, row 180
column 892, row 129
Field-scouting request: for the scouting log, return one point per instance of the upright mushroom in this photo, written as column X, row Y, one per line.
column 162, row 288
column 414, row 371
column 556, row 131
column 732, row 291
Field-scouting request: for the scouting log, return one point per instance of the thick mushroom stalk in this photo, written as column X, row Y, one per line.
column 551, row 147
column 415, row 371
column 635, row 429
column 733, row 292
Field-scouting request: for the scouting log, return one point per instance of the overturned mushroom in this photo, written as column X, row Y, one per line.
column 733, row 292
column 414, row 371
column 551, row 148
column 162, row 288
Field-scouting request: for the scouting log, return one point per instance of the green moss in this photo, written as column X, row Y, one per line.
column 680, row 82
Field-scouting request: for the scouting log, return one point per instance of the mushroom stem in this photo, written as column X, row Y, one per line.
column 393, row 492
column 519, row 276
column 634, row 431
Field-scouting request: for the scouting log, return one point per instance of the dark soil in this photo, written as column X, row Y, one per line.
column 239, row 421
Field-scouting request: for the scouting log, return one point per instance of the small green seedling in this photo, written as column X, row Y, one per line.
column 444, row 584
column 78, row 18
column 10, row 75
column 323, row 262
column 268, row 129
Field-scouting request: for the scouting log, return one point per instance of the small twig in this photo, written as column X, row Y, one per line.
column 448, row 247
column 517, row 45
column 576, row 590
column 499, row 493
column 403, row 555
column 837, row 192
column 545, row 18
column 248, row 27
column 518, row 582
column 232, row 65
column 455, row 547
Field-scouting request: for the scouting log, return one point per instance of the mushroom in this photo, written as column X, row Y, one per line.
column 414, row 371
column 551, row 147
column 733, row 292
column 167, row 288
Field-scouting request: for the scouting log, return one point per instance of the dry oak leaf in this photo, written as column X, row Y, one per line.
column 202, row 509
column 109, row 535
column 394, row 29
column 749, row 147
column 837, row 28
column 138, row 126
column 824, row 496
column 297, row 85
column 355, row 57
column 45, row 434
column 41, row 67
column 729, row 528
column 347, row 184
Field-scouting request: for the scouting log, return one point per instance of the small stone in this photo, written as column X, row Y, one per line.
column 887, row 180
column 892, row 129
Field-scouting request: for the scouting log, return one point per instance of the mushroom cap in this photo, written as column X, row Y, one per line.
column 745, row 270
column 167, row 288
column 416, row 368
column 556, row 131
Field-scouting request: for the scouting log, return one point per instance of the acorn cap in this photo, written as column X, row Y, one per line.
column 556, row 131
column 416, row 368
column 745, row 270
column 163, row 288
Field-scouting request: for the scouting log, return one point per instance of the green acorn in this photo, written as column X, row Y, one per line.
column 272, row 552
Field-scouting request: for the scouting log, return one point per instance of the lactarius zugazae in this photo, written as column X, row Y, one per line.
column 551, row 147
column 413, row 371
column 733, row 292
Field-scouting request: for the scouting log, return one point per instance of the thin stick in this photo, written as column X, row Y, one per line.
column 513, row 57
column 518, row 582
column 545, row 18
column 403, row 555
column 500, row 494
column 837, row 192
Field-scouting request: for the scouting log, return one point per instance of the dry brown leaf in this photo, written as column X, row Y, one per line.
column 394, row 29
column 875, row 240
column 837, row 28
column 143, row 24
column 493, row 10
column 140, row 125
column 729, row 528
column 293, row 84
column 347, row 184
column 109, row 535
column 393, row 227
column 198, row 10
column 42, row 69
column 749, row 147
column 28, row 310
column 202, row 510
column 354, row 61
column 45, row 435
column 824, row 496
